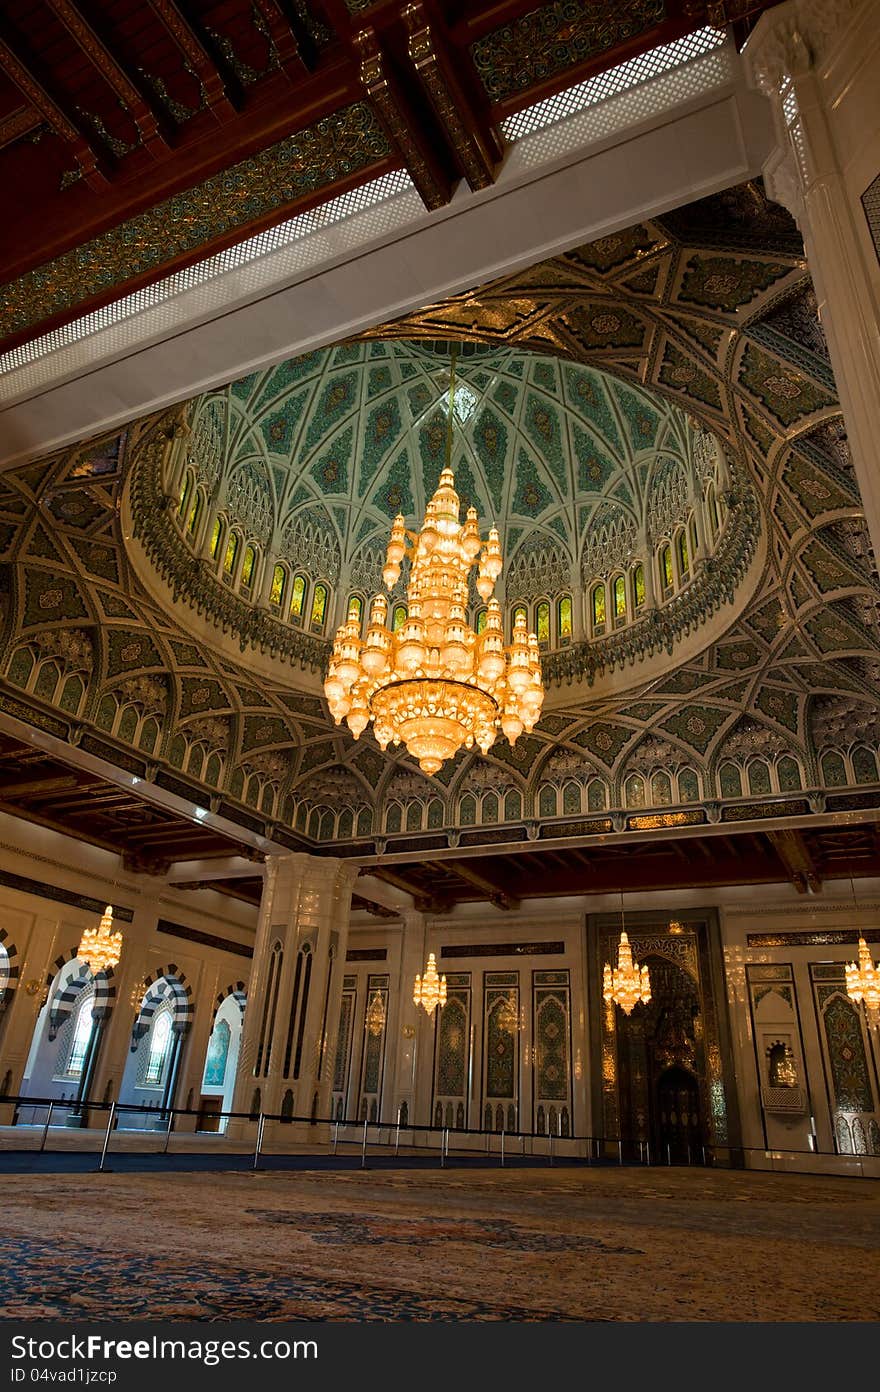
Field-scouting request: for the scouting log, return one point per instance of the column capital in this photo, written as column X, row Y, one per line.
column 791, row 39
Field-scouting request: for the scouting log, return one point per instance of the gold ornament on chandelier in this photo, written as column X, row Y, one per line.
column 101, row 947
column 436, row 685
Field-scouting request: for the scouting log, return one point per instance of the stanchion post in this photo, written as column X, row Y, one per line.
column 551, row 1146
column 335, row 1136
column 168, row 1131
column 46, row 1127
column 502, row 1145
column 364, row 1147
column 397, row 1135
column 110, row 1120
column 620, row 1152
column 261, row 1121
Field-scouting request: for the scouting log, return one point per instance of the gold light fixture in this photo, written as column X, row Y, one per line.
column 863, row 982
column 376, row 1015
column 627, row 984
column 673, row 926
column 430, row 989
column 101, row 947
column 508, row 1017
column 436, row 685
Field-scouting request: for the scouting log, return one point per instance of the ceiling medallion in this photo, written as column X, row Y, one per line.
column 436, row 685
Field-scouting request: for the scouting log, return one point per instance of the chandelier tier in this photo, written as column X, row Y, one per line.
column 430, row 989
column 101, row 947
column 627, row 984
column 863, row 982
column 436, row 685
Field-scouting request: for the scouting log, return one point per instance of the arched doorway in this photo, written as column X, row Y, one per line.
column 221, row 1061
column 64, row 1045
column 153, row 1066
column 677, row 1120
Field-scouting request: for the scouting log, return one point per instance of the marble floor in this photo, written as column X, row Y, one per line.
column 563, row 1244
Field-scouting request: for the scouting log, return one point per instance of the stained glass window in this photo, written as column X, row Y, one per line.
column 639, row 585
column 218, row 1055
column 194, row 513
column 730, row 780
column 356, row 609
column 543, row 622
column 597, row 602
column 666, row 577
column 520, row 610
column 713, row 510
column 319, row 606
column 564, row 619
column 247, row 566
column 231, row 553
column 694, row 538
column 298, row 598
column 683, row 558
column 82, row 1033
column 184, row 495
column 159, row 1042
column 399, row 617
column 481, row 621
column 620, row 598
column 276, row 594
column 215, row 536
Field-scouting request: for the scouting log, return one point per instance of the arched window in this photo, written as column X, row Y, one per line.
column 731, row 781
column 298, row 599
column 759, row 776
column 788, row 773
column 467, row 810
column 712, row 509
column 231, row 553
column 319, row 608
column 564, row 620
column 394, row 817
column 597, row 608
column 692, row 530
column 216, row 533
column 661, row 790
column 398, row 618
column 619, row 601
column 482, row 616
column 490, row 808
column 864, row 765
column 194, row 513
column 634, row 791
column 547, row 801
column 833, row 770
column 571, row 799
column 276, row 594
column 217, row 1056
column 356, row 609
column 684, row 565
column 512, row 805
column 688, row 786
column 519, row 612
column 185, row 490
column 638, row 581
column 160, row 1042
column 667, row 579
column 542, row 623
column 247, row 565
column 414, row 813
column 597, row 795
column 82, row 1034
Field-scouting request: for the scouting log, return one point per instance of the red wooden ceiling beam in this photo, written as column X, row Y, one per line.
column 18, row 69
column 283, row 36
column 18, row 124
column 113, row 73
column 197, row 56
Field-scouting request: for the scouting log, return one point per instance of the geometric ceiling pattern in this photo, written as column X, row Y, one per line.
column 710, row 308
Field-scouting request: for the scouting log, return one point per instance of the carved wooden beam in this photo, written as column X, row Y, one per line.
column 18, row 124
column 795, row 855
column 476, row 143
column 493, row 891
column 113, row 73
column 284, row 38
column 18, row 69
column 400, row 123
column 197, row 57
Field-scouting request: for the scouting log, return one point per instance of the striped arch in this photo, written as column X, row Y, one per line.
column 167, row 984
column 8, row 965
column 239, row 991
column 105, row 991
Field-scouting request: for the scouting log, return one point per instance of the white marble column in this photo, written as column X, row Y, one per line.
column 818, row 61
column 295, row 986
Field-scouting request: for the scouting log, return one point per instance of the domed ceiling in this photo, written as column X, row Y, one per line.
column 584, row 474
column 772, row 716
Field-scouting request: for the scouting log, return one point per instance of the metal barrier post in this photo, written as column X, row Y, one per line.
column 689, row 1152
column 502, row 1145
column 168, row 1131
column 364, row 1147
column 668, row 1153
column 261, row 1122
column 620, row 1152
column 648, row 1152
column 443, row 1148
column 551, row 1147
column 397, row 1135
column 110, row 1120
column 704, row 1155
column 46, row 1127
column 335, row 1136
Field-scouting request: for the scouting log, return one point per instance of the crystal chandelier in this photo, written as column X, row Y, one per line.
column 436, row 685
column 863, row 982
column 430, row 989
column 627, row 984
column 509, row 1017
column 376, row 1015
column 101, row 947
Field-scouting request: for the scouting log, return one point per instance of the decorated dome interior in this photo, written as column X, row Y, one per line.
column 608, row 499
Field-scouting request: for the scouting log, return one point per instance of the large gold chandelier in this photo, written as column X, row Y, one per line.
column 627, row 984
column 101, row 947
column 863, row 982
column 436, row 685
column 430, row 989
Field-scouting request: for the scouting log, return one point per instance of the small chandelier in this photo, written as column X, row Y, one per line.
column 863, row 982
column 430, row 989
column 436, row 685
column 627, row 984
column 376, row 1015
column 101, row 948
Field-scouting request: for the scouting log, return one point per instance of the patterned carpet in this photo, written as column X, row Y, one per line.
column 520, row 1245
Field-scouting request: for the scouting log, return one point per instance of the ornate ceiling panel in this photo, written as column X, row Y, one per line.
column 777, row 715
